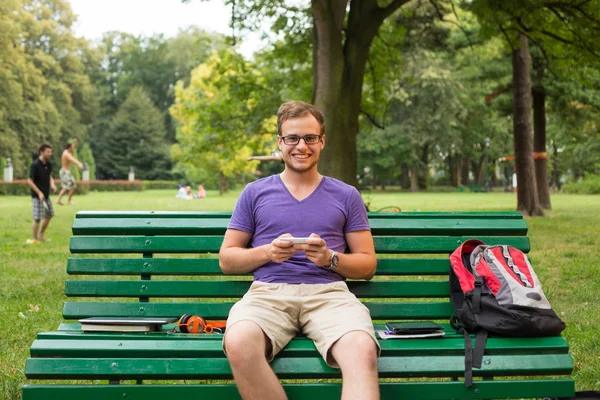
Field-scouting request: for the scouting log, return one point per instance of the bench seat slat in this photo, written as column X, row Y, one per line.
column 387, row 311
column 227, row 214
column 182, row 346
column 290, row 367
column 501, row 389
column 379, row 226
column 210, row 266
column 185, row 288
column 202, row 244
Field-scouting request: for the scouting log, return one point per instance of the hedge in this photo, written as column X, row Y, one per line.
column 157, row 185
column 590, row 184
column 20, row 187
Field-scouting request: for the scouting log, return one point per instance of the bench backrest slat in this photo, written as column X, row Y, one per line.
column 211, row 244
column 227, row 214
column 210, row 266
column 379, row 226
column 227, row 289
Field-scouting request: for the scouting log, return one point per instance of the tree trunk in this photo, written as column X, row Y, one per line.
column 466, row 163
column 424, row 170
column 527, row 196
column 404, row 177
column 339, row 59
column 451, row 171
column 414, row 177
column 223, row 184
column 479, row 170
column 539, row 146
column 555, row 179
column 458, row 171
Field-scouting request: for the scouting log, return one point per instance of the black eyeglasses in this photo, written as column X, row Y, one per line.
column 294, row 139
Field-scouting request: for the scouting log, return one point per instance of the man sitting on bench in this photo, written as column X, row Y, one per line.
column 299, row 284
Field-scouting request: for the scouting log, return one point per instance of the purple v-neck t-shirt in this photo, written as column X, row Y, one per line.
column 267, row 210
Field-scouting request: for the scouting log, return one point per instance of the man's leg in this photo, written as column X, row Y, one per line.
column 60, row 195
column 45, row 223
column 35, row 229
column 342, row 330
column 71, row 192
column 356, row 354
column 247, row 347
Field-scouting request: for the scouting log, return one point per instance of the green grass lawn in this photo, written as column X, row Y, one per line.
column 565, row 253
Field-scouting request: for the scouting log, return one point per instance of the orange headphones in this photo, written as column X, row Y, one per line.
column 189, row 323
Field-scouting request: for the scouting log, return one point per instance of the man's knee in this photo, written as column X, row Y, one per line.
column 245, row 341
column 356, row 347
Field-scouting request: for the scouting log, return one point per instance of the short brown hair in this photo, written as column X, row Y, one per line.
column 297, row 109
column 43, row 147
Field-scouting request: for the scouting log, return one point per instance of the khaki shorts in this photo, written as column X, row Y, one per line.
column 322, row 312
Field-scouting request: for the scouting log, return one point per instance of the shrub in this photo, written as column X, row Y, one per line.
column 113, row 186
column 572, row 187
column 588, row 185
column 20, row 187
column 591, row 184
column 154, row 185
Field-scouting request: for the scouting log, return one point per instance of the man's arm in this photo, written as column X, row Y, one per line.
column 35, row 189
column 236, row 258
column 360, row 263
column 52, row 184
column 76, row 161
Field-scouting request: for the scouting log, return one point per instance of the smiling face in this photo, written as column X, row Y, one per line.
column 301, row 157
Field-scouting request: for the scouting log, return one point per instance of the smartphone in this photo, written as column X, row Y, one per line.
column 406, row 328
column 295, row 240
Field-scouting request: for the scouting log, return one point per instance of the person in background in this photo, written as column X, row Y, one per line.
column 66, row 178
column 201, row 193
column 40, row 181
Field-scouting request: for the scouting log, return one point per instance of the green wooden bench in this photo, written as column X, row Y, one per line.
column 154, row 269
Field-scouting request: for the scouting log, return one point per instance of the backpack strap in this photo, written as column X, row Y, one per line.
column 468, row 360
column 473, row 356
column 477, row 295
column 479, row 350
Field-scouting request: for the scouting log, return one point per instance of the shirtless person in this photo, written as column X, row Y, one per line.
column 66, row 178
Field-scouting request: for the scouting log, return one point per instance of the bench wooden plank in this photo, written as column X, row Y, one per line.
column 203, row 346
column 390, row 390
column 218, row 289
column 379, row 311
column 227, row 214
column 379, row 226
column 202, row 244
column 291, row 367
column 210, row 266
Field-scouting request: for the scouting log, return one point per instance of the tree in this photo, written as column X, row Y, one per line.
column 564, row 28
column 528, row 201
column 46, row 93
column 136, row 138
column 154, row 63
column 342, row 33
column 225, row 115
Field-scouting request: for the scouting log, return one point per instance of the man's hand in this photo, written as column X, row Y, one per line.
column 280, row 250
column 316, row 250
column 80, row 165
column 52, row 185
column 41, row 196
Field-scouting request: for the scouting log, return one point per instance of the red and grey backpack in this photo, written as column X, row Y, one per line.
column 495, row 290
